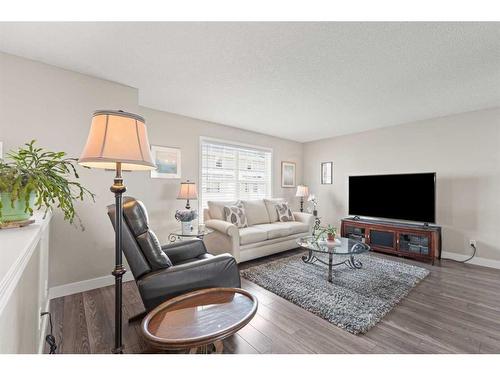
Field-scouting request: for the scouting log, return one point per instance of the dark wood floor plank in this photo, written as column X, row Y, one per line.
column 237, row 345
column 257, row 339
column 99, row 322
column 75, row 334
column 132, row 305
column 281, row 341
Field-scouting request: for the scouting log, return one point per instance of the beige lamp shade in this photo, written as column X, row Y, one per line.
column 187, row 191
column 302, row 191
column 117, row 137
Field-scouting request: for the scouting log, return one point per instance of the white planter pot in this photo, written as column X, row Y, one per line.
column 187, row 227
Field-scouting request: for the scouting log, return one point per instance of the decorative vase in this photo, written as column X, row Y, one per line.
column 331, row 237
column 16, row 211
column 187, row 227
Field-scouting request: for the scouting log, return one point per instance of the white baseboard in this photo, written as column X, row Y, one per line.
column 476, row 260
column 83, row 286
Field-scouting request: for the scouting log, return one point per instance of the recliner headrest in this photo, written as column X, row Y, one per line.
column 136, row 216
column 137, row 221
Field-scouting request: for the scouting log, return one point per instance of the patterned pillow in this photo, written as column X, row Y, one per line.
column 284, row 212
column 236, row 215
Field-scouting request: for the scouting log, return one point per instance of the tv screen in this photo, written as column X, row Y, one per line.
column 394, row 196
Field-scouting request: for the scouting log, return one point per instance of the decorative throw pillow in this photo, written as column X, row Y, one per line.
column 236, row 215
column 284, row 212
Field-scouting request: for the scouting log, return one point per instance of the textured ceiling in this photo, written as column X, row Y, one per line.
column 302, row 81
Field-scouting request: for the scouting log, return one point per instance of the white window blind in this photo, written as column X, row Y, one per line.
column 232, row 172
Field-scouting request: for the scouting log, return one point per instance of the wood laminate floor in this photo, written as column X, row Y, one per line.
column 456, row 309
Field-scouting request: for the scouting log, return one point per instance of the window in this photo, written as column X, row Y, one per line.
column 232, row 172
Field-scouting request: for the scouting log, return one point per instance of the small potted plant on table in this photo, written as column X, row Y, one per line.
column 186, row 218
column 32, row 178
column 330, row 232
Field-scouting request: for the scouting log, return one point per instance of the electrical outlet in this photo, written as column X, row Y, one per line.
column 472, row 243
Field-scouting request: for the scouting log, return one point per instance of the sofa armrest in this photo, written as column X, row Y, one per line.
column 224, row 239
column 216, row 271
column 304, row 217
column 223, row 227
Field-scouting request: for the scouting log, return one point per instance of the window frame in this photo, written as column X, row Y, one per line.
column 225, row 142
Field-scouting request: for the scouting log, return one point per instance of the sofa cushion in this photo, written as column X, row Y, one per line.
column 252, row 235
column 275, row 230
column 284, row 212
column 256, row 212
column 216, row 208
column 236, row 215
column 298, row 227
column 271, row 209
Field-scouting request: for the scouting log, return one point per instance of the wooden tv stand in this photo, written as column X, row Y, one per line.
column 417, row 241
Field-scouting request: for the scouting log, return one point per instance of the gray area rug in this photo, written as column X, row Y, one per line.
column 355, row 301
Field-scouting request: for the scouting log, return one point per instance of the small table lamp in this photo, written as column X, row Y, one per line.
column 117, row 140
column 302, row 192
column 188, row 191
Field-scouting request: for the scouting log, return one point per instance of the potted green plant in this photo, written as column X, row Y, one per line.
column 32, row 178
column 330, row 231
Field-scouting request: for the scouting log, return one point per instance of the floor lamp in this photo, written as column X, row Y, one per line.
column 117, row 140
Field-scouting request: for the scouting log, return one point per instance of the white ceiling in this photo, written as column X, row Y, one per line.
column 301, row 81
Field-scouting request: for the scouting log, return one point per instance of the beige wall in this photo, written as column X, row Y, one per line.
column 54, row 106
column 463, row 149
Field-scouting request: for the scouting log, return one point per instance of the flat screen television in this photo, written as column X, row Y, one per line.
column 408, row 197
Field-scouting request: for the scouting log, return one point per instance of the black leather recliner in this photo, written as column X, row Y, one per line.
column 163, row 272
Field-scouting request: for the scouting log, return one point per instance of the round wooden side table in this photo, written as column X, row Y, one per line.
column 198, row 321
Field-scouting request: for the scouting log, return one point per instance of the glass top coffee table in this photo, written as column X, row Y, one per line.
column 342, row 246
column 178, row 235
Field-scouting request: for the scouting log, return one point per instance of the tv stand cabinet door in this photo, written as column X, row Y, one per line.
column 414, row 243
column 381, row 239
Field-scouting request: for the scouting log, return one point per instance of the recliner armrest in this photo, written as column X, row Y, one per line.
column 217, row 271
column 183, row 250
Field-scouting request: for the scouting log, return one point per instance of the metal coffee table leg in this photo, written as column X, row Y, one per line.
column 330, row 267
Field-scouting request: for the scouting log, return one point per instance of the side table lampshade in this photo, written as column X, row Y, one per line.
column 117, row 140
column 302, row 192
column 187, row 192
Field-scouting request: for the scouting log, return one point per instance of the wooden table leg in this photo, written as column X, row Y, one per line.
column 215, row 348
column 219, row 347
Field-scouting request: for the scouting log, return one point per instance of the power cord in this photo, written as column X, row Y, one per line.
column 466, row 260
column 50, row 339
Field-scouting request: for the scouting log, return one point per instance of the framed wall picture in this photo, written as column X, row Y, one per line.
column 168, row 162
column 287, row 174
column 327, row 173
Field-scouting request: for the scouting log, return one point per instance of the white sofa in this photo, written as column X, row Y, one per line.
column 264, row 235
